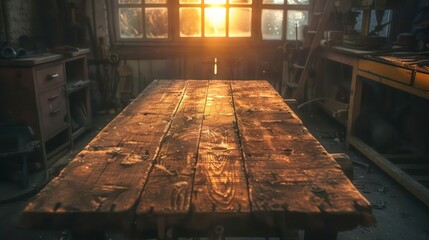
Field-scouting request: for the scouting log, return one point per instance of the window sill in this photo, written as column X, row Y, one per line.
column 208, row 47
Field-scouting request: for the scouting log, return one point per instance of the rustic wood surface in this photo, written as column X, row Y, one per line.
column 198, row 153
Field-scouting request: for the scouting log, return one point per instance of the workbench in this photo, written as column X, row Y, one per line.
column 228, row 158
column 397, row 71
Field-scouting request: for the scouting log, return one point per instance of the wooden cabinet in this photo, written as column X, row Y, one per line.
column 50, row 93
column 53, row 111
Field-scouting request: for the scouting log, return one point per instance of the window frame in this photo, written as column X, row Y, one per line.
column 174, row 38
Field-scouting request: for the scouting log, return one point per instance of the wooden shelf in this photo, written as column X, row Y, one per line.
column 336, row 109
column 76, row 86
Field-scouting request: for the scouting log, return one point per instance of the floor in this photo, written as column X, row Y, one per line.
column 399, row 214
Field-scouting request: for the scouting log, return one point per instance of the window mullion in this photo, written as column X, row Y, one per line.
column 256, row 19
column 227, row 6
column 203, row 19
column 285, row 21
column 143, row 7
column 173, row 19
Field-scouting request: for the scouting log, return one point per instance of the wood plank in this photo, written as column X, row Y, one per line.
column 198, row 153
column 92, row 192
column 354, row 104
column 134, row 64
column 391, row 169
column 406, row 88
column 220, row 192
column 167, row 194
column 291, row 176
column 145, row 73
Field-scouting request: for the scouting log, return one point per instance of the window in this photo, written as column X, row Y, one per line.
column 272, row 20
column 215, row 18
column 384, row 25
column 140, row 20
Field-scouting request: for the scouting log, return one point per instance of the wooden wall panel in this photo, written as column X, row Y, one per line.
column 200, row 67
column 134, row 65
column 145, row 73
column 21, row 19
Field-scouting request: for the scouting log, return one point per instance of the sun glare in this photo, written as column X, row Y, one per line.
column 215, row 1
column 215, row 21
column 216, row 16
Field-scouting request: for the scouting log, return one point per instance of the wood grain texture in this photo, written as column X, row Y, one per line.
column 100, row 187
column 167, row 194
column 196, row 154
column 291, row 176
column 220, row 187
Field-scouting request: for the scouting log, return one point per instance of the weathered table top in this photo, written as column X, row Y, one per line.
column 196, row 153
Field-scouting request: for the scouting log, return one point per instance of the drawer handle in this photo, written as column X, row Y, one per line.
column 53, row 76
column 53, row 97
column 56, row 110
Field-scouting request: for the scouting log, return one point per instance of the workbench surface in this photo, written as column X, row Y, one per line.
column 195, row 154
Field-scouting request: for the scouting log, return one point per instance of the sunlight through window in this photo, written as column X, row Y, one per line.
column 279, row 20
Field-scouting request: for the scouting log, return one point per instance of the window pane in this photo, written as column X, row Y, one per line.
column 156, row 22
column 298, row 2
column 272, row 24
column 130, row 22
column 155, row 1
column 214, row 22
column 129, row 1
column 240, row 22
column 215, row 1
column 273, row 1
column 387, row 17
column 296, row 19
column 240, row 1
column 190, row 22
column 189, row 1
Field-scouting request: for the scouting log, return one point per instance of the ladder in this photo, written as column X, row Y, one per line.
column 316, row 29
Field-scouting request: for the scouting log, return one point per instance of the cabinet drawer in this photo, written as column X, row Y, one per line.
column 422, row 81
column 49, row 76
column 53, row 111
column 387, row 71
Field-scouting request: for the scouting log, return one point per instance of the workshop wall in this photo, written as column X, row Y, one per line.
column 20, row 20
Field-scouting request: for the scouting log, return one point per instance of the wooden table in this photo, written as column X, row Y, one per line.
column 197, row 155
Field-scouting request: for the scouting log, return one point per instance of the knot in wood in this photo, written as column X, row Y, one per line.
column 317, row 190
